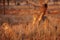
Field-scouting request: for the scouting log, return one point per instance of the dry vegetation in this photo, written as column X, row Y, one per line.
column 42, row 30
column 29, row 24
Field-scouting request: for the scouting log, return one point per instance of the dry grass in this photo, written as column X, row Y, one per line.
column 15, row 26
column 43, row 31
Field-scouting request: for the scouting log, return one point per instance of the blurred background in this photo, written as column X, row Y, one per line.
column 24, row 20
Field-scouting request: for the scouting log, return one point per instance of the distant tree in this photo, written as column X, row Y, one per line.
column 15, row 2
column 55, row 1
column 0, row 0
column 8, row 2
column 4, row 6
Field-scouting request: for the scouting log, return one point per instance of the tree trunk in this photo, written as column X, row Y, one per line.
column 4, row 6
column 8, row 2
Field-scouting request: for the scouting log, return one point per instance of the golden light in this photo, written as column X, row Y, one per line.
column 40, row 17
column 34, row 18
column 37, row 18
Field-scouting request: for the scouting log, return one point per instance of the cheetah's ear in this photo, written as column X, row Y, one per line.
column 5, row 25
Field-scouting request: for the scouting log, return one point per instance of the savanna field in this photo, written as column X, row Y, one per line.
column 29, row 20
